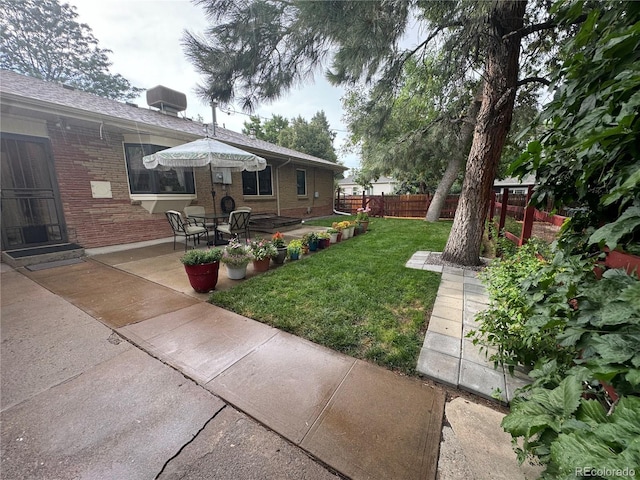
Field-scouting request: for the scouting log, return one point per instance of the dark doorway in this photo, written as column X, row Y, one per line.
column 30, row 201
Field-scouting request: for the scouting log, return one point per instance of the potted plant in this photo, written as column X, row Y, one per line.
column 294, row 249
column 323, row 239
column 278, row 241
column 333, row 235
column 362, row 218
column 236, row 257
column 262, row 251
column 339, row 227
column 311, row 240
column 202, row 268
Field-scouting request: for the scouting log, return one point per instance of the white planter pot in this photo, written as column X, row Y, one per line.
column 236, row 273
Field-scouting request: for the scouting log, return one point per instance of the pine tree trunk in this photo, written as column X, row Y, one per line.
column 455, row 163
column 492, row 126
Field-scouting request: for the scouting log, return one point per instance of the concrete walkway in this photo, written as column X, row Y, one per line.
column 448, row 355
column 75, row 379
column 359, row 419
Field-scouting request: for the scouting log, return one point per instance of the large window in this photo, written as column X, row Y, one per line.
column 160, row 180
column 301, row 182
column 257, row 183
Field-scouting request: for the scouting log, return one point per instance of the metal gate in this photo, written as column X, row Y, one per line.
column 30, row 201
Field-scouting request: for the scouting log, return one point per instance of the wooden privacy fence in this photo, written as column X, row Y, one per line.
column 408, row 206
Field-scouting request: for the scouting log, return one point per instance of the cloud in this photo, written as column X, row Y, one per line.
column 145, row 38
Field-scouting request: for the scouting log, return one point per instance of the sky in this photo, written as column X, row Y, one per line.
column 145, row 38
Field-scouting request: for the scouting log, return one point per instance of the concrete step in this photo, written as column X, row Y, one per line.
column 36, row 255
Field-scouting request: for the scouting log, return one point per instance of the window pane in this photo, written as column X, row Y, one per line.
column 301, row 182
column 264, row 181
column 159, row 180
column 249, row 183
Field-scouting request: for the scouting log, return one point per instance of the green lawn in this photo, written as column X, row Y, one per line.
column 355, row 297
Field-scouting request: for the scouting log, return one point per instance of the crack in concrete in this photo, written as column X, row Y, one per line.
column 190, row 441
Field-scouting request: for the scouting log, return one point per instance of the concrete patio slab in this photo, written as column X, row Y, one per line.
column 233, row 446
column 363, row 434
column 445, row 327
column 450, row 284
column 475, row 288
column 447, row 312
column 485, row 446
column 477, row 353
column 284, row 384
column 482, row 380
column 450, row 292
column 46, row 340
column 442, row 343
column 121, row 419
column 114, row 297
column 201, row 341
column 439, row 366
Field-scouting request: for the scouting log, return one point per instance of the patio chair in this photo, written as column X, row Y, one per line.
column 238, row 224
column 183, row 229
column 197, row 210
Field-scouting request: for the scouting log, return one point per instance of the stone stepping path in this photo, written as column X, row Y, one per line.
column 448, row 355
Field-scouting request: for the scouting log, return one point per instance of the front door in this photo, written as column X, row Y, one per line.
column 30, row 201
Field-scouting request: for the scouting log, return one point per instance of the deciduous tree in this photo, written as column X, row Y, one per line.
column 42, row 39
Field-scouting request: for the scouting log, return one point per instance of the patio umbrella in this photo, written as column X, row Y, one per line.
column 206, row 151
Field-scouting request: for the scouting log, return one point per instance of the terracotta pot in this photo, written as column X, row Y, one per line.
column 203, row 278
column 261, row 265
column 364, row 226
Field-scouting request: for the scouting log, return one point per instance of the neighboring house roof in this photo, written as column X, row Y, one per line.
column 27, row 92
column 516, row 182
column 350, row 180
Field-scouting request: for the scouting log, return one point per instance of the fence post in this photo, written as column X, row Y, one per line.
column 364, row 200
column 527, row 223
column 382, row 208
column 492, row 207
column 503, row 208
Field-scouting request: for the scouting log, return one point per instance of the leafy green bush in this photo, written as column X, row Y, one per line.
column 502, row 324
column 201, row 257
column 580, row 333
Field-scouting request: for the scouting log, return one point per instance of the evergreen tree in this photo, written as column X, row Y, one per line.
column 258, row 49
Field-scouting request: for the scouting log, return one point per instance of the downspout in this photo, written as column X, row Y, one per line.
column 278, row 183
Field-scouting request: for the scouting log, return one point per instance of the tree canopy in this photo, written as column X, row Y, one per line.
column 42, row 39
column 257, row 50
column 587, row 155
column 313, row 137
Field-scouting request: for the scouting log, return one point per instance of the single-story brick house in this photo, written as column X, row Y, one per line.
column 72, row 169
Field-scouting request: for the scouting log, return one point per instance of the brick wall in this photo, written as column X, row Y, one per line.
column 318, row 180
column 81, row 156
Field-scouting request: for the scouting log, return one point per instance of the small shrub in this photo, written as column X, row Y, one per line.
column 502, row 324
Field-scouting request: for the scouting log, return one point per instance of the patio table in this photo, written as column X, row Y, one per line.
column 215, row 219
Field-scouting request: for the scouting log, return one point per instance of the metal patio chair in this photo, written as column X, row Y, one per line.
column 184, row 229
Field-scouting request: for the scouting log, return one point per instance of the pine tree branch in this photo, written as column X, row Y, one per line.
column 542, row 80
column 537, row 27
